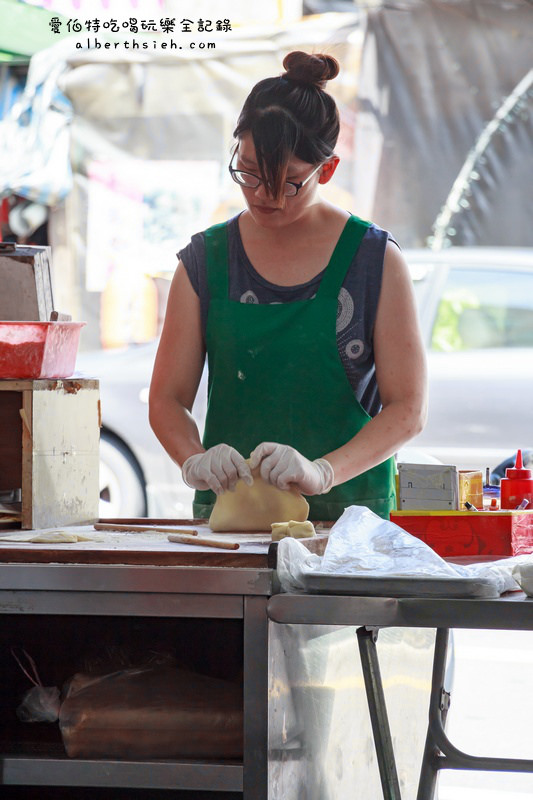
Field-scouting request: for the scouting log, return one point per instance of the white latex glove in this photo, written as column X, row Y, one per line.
column 219, row 469
column 285, row 467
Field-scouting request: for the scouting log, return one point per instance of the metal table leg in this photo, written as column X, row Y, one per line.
column 438, row 708
column 367, row 638
column 255, row 764
column 439, row 752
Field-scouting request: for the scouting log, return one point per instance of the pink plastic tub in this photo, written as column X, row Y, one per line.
column 38, row 349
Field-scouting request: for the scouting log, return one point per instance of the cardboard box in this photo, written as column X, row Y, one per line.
column 470, row 488
column 470, row 533
column 428, row 486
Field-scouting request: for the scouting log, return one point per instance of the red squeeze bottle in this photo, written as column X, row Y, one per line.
column 517, row 485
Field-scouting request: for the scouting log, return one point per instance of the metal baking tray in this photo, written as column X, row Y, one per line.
column 329, row 583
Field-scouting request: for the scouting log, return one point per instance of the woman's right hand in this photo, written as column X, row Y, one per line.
column 218, row 469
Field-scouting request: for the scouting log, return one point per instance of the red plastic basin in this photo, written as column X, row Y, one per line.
column 38, row 349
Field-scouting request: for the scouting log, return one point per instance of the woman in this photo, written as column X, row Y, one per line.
column 306, row 313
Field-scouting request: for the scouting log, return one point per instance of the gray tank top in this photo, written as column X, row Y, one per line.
column 357, row 301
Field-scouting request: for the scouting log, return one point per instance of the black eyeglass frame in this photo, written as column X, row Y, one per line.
column 297, row 186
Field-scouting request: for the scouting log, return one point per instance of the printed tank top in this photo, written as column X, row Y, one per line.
column 357, row 299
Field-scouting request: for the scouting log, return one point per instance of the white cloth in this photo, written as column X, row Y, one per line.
column 284, row 467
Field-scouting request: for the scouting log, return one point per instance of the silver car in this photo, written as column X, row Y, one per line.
column 476, row 314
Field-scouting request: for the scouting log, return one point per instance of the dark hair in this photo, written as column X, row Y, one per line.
column 292, row 115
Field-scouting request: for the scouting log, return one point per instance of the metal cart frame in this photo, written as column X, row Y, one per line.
column 143, row 591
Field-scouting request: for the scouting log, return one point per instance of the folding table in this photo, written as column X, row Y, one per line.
column 513, row 611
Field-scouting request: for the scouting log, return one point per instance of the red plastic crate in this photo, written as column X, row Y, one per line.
column 38, row 349
column 469, row 533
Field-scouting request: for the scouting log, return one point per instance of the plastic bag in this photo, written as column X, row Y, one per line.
column 40, row 703
column 35, row 134
column 152, row 712
column 523, row 575
column 363, row 544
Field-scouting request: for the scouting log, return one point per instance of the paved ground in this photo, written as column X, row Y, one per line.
column 491, row 712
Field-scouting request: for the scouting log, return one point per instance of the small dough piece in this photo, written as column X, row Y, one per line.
column 255, row 507
column 57, row 537
column 301, row 530
column 293, row 528
column 279, row 531
column 51, row 537
column 17, row 537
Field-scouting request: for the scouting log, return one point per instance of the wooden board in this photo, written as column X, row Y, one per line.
column 149, row 549
column 26, row 284
column 49, row 449
column 65, row 455
column 10, row 441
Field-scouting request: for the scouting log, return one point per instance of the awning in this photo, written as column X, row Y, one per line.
column 24, row 30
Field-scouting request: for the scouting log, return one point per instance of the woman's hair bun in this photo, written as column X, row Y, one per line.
column 309, row 68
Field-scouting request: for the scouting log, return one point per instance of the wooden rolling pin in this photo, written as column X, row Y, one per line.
column 103, row 526
column 183, row 535
column 174, row 537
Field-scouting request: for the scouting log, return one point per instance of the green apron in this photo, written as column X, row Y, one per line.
column 275, row 375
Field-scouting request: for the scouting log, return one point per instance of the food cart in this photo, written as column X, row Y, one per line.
column 321, row 716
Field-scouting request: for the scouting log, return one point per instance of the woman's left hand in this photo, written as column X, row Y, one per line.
column 286, row 468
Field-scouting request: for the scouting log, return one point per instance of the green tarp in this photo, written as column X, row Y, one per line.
column 25, row 29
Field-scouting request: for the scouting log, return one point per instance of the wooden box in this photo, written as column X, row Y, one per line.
column 469, row 533
column 49, row 449
column 26, row 284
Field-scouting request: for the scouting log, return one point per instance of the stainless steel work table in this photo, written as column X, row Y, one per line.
column 50, row 590
column 120, row 579
column 52, row 587
column 513, row 611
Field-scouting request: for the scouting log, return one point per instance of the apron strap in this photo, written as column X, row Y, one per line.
column 216, row 242
column 345, row 249
column 216, row 249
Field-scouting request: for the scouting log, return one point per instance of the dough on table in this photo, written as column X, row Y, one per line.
column 293, row 528
column 48, row 537
column 53, row 537
column 256, row 507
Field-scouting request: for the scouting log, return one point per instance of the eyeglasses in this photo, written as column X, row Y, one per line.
column 251, row 181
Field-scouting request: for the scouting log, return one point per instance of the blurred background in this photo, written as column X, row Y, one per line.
column 115, row 135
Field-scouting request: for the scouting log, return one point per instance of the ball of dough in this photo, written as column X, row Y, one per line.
column 255, row 507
